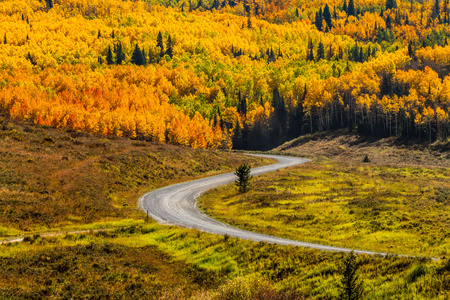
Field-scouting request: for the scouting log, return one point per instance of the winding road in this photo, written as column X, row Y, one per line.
column 176, row 205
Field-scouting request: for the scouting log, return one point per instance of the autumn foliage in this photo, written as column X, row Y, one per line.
column 214, row 73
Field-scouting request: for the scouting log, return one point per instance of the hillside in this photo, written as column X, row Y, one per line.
column 53, row 178
column 245, row 74
column 342, row 146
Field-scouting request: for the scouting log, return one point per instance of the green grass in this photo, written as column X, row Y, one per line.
column 384, row 209
column 202, row 265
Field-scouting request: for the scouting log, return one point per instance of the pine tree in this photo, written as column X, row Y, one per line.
column 159, row 43
column 237, row 135
column 351, row 287
column 320, row 51
column 49, row 4
column 144, row 57
column 436, row 10
column 112, row 34
column 344, row 7
column 99, row 34
column 244, row 177
column 136, row 57
column 351, row 8
column 390, row 4
column 109, row 57
column 5, row 41
column 169, row 50
column 410, row 50
column 318, row 20
column 386, row 85
column 120, row 55
column 327, row 16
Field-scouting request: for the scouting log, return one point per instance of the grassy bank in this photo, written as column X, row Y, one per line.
column 159, row 262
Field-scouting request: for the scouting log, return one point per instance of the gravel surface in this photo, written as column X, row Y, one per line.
column 176, row 205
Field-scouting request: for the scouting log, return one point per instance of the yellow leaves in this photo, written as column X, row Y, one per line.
column 109, row 106
column 428, row 114
column 438, row 54
column 441, row 115
column 389, row 62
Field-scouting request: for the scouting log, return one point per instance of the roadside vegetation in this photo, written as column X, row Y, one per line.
column 163, row 262
column 52, row 178
column 339, row 200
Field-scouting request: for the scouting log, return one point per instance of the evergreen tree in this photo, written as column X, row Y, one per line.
column 390, row 4
column 244, row 177
column 237, row 135
column 386, row 85
column 410, row 50
column 120, row 55
column 112, row 34
column 137, row 57
column 5, row 41
column 296, row 13
column 159, row 43
column 49, row 4
column 351, row 8
column 388, row 22
column 436, row 10
column 109, row 57
column 351, row 287
column 279, row 117
column 320, row 51
column 144, row 57
column 327, row 16
column 318, row 20
column 344, row 7
column 355, row 53
column 169, row 50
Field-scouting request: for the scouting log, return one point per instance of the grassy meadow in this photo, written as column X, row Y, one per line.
column 150, row 261
column 385, row 209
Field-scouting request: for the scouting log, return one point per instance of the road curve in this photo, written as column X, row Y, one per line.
column 176, row 205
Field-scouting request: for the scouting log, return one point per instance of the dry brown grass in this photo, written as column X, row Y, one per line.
column 51, row 177
column 344, row 147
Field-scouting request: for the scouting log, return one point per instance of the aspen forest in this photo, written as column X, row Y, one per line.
column 243, row 74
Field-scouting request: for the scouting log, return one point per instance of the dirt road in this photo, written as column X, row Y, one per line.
column 176, row 204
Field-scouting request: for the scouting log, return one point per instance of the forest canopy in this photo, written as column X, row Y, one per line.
column 222, row 74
